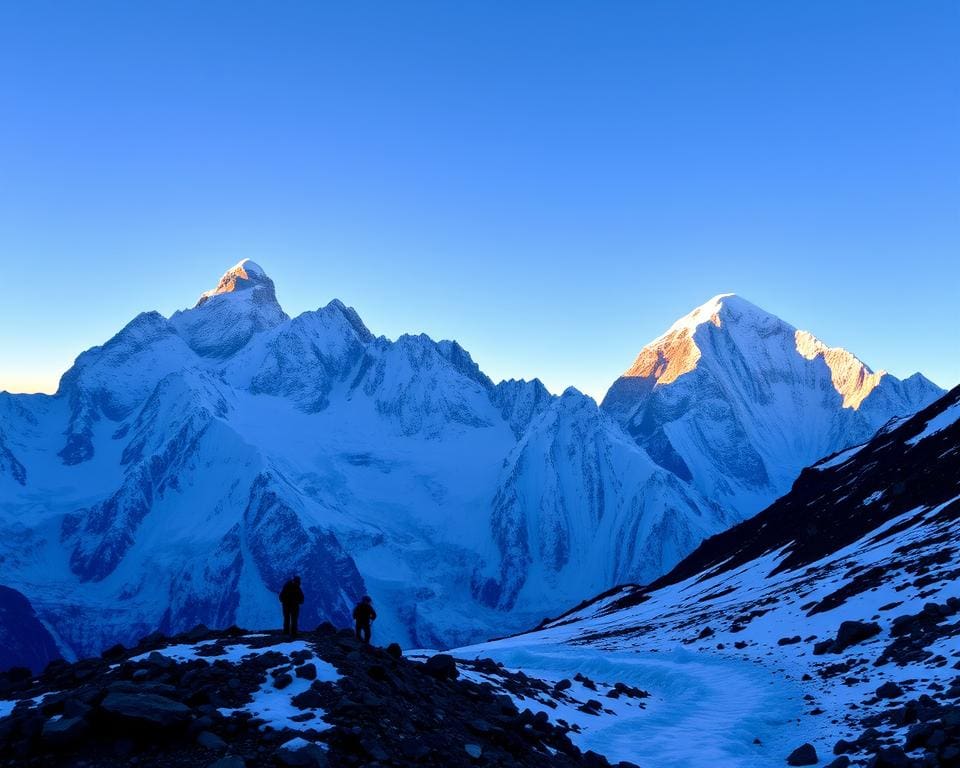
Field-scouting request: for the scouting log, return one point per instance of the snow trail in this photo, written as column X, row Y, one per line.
column 704, row 710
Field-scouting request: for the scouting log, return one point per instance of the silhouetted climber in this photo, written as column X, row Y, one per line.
column 291, row 598
column 363, row 614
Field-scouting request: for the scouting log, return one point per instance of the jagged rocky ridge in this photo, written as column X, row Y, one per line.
column 233, row 699
column 186, row 467
column 845, row 592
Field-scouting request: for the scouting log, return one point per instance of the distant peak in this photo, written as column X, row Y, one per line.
column 244, row 275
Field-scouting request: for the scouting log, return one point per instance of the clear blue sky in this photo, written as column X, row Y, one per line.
column 550, row 183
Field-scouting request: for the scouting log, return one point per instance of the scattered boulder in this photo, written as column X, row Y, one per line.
column 803, row 755
column 64, row 732
column 114, row 653
column 300, row 753
column 889, row 690
column 395, row 651
column 144, row 710
column 853, row 632
column 849, row 633
column 211, row 741
column 442, row 666
column 890, row 757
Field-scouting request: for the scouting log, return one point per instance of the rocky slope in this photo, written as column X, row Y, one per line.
column 736, row 401
column 232, row 699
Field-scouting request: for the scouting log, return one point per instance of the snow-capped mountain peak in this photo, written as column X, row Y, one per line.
column 243, row 275
column 737, row 401
column 225, row 318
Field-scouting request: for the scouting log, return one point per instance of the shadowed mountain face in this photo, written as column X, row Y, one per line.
column 186, row 468
column 24, row 641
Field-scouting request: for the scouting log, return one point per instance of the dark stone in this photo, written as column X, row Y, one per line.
column 306, row 672
column 789, row 640
column 442, row 667
column 803, row 755
column 75, row 707
column 395, row 650
column 19, row 674
column 890, row 757
column 64, row 731
column 144, row 710
column 889, row 690
column 210, row 741
column 853, row 632
column 841, row 762
column 822, row 647
column 309, row 756
column 114, row 653
column 309, row 699
column 917, row 736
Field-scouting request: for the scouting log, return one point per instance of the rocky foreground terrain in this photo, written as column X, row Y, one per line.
column 233, row 698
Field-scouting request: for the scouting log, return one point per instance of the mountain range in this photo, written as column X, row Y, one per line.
column 187, row 467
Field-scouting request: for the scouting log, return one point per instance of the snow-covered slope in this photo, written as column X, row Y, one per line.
column 189, row 465
column 737, row 402
column 579, row 506
column 842, row 600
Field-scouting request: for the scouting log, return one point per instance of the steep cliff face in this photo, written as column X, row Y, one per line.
column 24, row 641
column 580, row 505
column 737, row 402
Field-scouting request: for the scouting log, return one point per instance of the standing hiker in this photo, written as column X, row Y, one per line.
column 291, row 598
column 363, row 614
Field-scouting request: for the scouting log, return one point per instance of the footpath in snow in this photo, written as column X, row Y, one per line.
column 703, row 710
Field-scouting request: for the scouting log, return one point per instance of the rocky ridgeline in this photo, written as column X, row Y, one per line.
column 233, row 699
